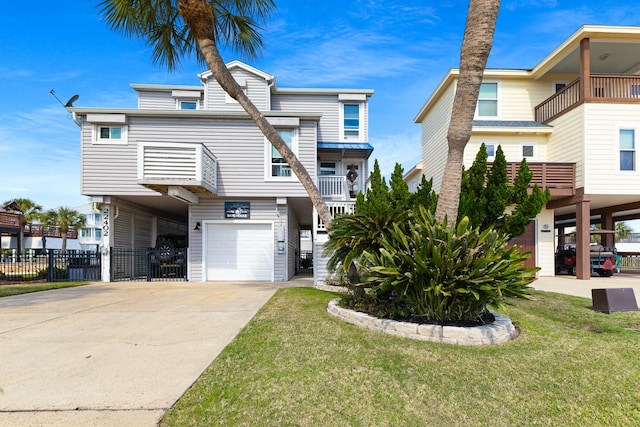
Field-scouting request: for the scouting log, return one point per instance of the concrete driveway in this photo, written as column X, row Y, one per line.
column 117, row 354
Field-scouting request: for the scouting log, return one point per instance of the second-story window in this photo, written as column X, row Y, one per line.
column 110, row 132
column 351, row 121
column 488, row 100
column 491, row 150
column 627, row 150
column 280, row 168
column 187, row 105
column 105, row 134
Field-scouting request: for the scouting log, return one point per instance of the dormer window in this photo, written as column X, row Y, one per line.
column 187, row 99
column 187, row 105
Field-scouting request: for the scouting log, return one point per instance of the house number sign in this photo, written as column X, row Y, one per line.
column 105, row 221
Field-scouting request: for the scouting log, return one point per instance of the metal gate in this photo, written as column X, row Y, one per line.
column 148, row 264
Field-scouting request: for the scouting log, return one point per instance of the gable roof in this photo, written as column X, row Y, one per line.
column 241, row 65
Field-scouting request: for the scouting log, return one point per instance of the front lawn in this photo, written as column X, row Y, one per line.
column 25, row 288
column 295, row 365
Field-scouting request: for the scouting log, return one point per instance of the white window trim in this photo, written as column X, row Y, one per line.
column 361, row 107
column 267, row 158
column 498, row 102
column 535, row 151
column 95, row 137
column 636, row 134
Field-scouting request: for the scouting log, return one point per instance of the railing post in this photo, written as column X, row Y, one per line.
column 51, row 266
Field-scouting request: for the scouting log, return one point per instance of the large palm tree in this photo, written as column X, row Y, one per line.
column 66, row 219
column 178, row 28
column 476, row 46
column 30, row 212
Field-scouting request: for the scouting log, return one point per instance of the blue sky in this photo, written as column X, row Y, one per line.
column 401, row 49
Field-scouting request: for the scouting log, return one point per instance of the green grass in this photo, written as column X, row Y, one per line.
column 295, row 365
column 25, row 288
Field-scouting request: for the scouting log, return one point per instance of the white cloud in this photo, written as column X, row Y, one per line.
column 402, row 148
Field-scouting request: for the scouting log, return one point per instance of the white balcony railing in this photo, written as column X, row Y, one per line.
column 191, row 166
column 333, row 187
column 337, row 208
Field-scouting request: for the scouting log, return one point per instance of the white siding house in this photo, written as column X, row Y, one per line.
column 188, row 162
column 575, row 118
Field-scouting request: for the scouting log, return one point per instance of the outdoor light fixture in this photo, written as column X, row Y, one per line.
column 197, row 227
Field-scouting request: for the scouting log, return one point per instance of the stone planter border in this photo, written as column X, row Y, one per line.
column 498, row 332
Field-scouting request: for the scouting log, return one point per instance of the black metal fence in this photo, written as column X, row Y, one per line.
column 49, row 265
column 305, row 263
column 148, row 264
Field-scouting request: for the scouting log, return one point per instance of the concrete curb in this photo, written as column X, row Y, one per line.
column 498, row 332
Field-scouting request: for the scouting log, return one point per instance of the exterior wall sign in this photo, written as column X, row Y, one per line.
column 237, row 210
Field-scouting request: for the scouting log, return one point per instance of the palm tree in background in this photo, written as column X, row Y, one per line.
column 30, row 210
column 178, row 28
column 476, row 46
column 623, row 231
column 66, row 219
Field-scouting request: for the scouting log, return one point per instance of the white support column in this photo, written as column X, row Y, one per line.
column 108, row 212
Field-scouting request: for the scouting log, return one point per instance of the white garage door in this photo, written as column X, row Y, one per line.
column 239, row 251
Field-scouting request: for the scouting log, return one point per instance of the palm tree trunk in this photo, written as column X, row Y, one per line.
column 476, row 46
column 63, row 246
column 199, row 17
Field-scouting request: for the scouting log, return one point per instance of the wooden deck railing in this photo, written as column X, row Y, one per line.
column 559, row 178
column 604, row 88
column 14, row 222
column 10, row 220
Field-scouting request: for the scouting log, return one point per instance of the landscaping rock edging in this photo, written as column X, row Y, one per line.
column 498, row 332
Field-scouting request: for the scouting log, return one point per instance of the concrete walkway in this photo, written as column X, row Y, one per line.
column 117, row 354
column 582, row 288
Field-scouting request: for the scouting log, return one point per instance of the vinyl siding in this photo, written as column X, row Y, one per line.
column 545, row 243
column 434, row 138
column 293, row 241
column 511, row 146
column 566, row 141
column 212, row 209
column 320, row 271
column 327, row 105
column 602, row 164
column 153, row 100
column 239, row 146
column 257, row 91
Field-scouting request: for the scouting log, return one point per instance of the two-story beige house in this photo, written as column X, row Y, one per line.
column 188, row 165
column 575, row 117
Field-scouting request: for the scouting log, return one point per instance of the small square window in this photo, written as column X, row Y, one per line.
column 491, row 150
column 528, row 151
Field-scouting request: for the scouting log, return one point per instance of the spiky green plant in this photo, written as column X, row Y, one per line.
column 446, row 274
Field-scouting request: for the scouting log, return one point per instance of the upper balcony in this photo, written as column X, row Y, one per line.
column 602, row 88
column 162, row 166
column 559, row 178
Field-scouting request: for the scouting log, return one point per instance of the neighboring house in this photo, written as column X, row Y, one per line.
column 189, row 161
column 90, row 236
column 36, row 235
column 575, row 117
column 413, row 178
